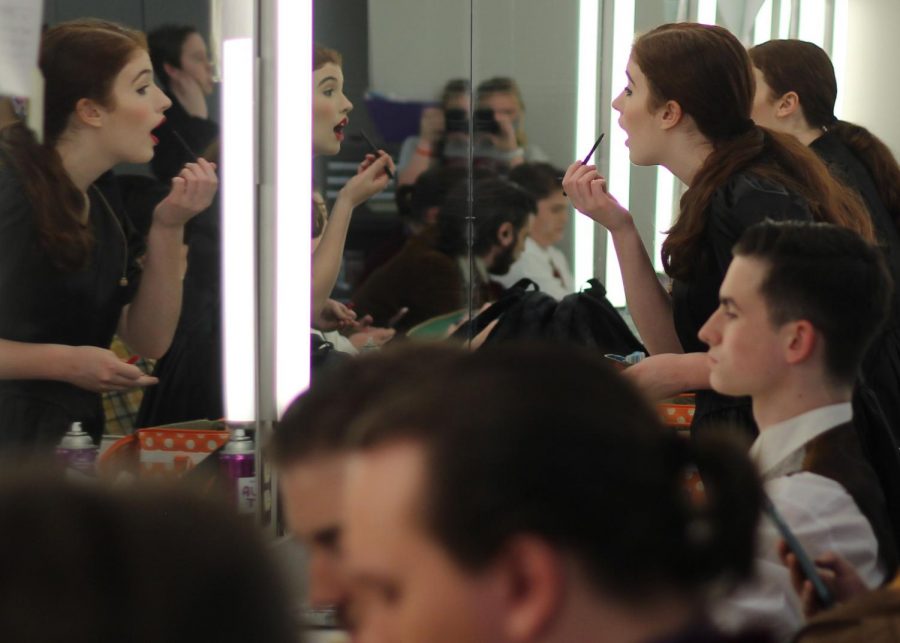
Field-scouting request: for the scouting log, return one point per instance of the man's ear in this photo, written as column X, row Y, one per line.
column 533, row 578
column 801, row 341
column 787, row 105
column 506, row 234
column 670, row 114
column 89, row 112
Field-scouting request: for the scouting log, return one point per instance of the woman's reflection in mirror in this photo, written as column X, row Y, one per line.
column 190, row 373
column 331, row 110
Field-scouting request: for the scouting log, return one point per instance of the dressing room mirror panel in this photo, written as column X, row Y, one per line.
column 405, row 66
column 190, row 374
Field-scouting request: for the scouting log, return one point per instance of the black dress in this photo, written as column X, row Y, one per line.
column 876, row 400
column 190, row 373
column 45, row 305
column 743, row 201
column 881, row 369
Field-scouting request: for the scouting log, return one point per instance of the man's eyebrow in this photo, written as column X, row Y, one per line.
column 728, row 301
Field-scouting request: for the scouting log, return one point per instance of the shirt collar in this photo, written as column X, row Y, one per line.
column 779, row 442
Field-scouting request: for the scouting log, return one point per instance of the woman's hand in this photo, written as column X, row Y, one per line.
column 431, row 125
column 668, row 374
column 586, row 190
column 372, row 337
column 192, row 192
column 188, row 92
column 100, row 370
column 505, row 140
column 370, row 179
column 335, row 316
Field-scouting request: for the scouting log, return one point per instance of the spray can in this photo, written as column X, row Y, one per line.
column 77, row 450
column 237, row 463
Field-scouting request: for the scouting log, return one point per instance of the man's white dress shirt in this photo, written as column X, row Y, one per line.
column 819, row 511
column 547, row 267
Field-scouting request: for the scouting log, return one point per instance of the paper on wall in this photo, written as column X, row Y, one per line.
column 20, row 33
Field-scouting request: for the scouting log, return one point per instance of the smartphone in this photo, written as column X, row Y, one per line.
column 806, row 565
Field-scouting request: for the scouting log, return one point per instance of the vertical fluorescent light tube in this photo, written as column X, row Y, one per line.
column 812, row 22
column 665, row 194
column 239, row 230
column 839, row 51
column 619, row 160
column 586, row 128
column 293, row 199
column 762, row 27
column 706, row 12
column 784, row 20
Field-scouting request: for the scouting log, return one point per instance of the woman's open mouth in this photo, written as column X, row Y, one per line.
column 158, row 125
column 339, row 129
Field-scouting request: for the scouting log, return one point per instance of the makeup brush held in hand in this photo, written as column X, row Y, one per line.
column 375, row 151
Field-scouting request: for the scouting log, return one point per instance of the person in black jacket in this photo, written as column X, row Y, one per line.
column 796, row 91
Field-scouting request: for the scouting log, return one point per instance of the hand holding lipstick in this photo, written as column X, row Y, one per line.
column 100, row 370
column 587, row 191
column 192, row 192
column 371, row 178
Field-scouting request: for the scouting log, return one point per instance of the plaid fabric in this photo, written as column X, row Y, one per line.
column 121, row 407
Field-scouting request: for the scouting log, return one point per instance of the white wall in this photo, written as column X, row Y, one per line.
column 872, row 84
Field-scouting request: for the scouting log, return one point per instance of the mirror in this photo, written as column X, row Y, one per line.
column 190, row 374
column 401, row 269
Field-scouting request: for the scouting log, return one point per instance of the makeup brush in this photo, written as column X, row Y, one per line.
column 591, row 153
column 375, row 151
column 183, row 143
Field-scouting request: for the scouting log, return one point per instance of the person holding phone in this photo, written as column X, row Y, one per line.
column 441, row 126
column 500, row 139
column 782, row 336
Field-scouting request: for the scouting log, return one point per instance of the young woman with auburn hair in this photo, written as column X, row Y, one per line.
column 331, row 110
column 796, row 91
column 69, row 270
column 687, row 106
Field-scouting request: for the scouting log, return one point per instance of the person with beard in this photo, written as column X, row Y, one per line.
column 433, row 278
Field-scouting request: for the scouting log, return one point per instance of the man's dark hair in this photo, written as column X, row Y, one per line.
column 540, row 180
column 318, row 421
column 496, row 201
column 554, row 443
column 829, row 276
column 429, row 191
column 166, row 44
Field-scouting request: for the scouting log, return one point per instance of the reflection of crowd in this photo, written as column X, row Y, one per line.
column 493, row 492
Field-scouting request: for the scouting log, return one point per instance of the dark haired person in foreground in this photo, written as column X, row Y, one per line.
column 310, row 451
column 787, row 336
column 492, row 503
column 88, row 565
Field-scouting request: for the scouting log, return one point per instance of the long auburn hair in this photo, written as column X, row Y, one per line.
column 804, row 68
column 707, row 71
column 79, row 59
